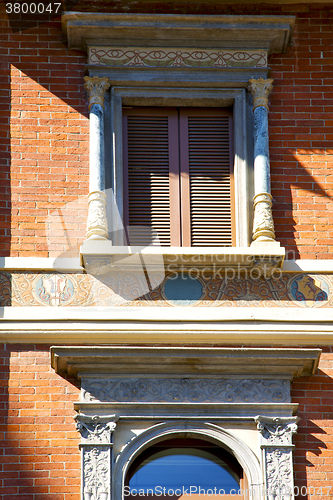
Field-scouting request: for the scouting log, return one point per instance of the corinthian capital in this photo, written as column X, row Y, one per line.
column 277, row 431
column 96, row 88
column 260, row 90
column 95, row 430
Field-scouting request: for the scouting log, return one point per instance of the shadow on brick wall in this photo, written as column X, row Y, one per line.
column 312, row 454
column 39, row 454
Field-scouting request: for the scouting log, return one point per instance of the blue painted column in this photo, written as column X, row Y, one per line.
column 263, row 225
column 97, row 227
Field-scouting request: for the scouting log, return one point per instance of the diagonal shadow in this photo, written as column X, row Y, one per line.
column 283, row 210
column 314, row 395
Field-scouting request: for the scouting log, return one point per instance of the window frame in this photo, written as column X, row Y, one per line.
column 238, row 99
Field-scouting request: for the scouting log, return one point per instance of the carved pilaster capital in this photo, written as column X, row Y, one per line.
column 263, row 224
column 260, row 90
column 96, row 430
column 277, row 431
column 96, row 88
column 97, row 224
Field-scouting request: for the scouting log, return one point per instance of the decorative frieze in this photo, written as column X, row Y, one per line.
column 301, row 290
column 185, row 390
column 176, row 58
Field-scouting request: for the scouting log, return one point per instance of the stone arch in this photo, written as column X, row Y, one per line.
column 209, row 432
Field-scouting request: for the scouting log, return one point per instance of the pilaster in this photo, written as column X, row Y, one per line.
column 277, row 461
column 96, row 455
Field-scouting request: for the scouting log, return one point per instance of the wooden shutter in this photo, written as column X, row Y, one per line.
column 177, row 176
column 151, row 161
column 206, row 177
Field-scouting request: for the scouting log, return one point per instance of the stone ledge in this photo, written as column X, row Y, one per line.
column 185, row 361
column 72, row 264
column 99, row 257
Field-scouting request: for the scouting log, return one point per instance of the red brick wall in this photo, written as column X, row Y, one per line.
column 44, row 131
column 313, row 454
column 39, row 454
column 45, row 135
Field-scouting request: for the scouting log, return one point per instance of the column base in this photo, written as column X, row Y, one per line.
column 265, row 241
column 97, row 226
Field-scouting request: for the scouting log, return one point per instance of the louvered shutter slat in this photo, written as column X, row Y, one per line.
column 209, row 179
column 148, row 178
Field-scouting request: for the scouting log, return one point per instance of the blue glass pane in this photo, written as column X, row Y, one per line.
column 182, row 471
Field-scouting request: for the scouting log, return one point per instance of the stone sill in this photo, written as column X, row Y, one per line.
column 99, row 257
column 72, row 265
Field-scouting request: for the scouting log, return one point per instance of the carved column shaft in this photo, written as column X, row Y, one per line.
column 276, row 445
column 96, row 454
column 263, row 225
column 97, row 222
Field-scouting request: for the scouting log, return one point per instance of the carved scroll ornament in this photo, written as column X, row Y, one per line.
column 185, row 390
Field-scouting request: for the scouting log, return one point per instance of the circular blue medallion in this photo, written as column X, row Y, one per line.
column 182, row 289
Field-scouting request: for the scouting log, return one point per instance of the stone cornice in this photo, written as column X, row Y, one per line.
column 166, row 361
column 165, row 325
column 271, row 33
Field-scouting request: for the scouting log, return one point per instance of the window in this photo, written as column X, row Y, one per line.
column 174, row 465
column 178, row 175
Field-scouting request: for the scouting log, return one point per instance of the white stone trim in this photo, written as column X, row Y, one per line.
column 308, row 266
column 242, row 452
column 72, row 264
column 187, row 316
column 263, row 326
